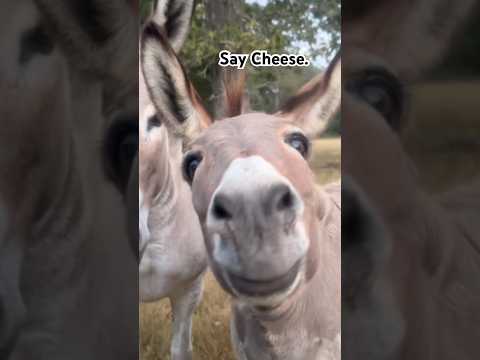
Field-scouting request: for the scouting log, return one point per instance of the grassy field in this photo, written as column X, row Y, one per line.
column 211, row 338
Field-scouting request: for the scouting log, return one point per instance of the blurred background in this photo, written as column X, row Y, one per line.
column 444, row 141
column 309, row 27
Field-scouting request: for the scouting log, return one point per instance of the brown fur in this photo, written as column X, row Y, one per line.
column 234, row 87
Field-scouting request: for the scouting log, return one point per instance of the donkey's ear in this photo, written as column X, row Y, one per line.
column 174, row 16
column 100, row 36
column 317, row 103
column 173, row 95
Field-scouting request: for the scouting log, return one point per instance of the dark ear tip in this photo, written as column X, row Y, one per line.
column 152, row 30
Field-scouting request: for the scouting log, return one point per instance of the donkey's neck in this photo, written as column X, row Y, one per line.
column 306, row 326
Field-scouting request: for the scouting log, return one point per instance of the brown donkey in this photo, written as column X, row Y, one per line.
column 430, row 308
column 272, row 236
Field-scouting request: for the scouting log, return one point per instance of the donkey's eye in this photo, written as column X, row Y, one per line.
column 190, row 165
column 382, row 91
column 153, row 122
column 299, row 142
column 120, row 149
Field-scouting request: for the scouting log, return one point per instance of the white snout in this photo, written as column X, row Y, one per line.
column 252, row 193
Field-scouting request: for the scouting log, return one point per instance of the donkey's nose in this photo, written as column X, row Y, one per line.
column 262, row 202
column 253, row 195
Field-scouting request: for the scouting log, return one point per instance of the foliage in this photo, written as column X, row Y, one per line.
column 301, row 21
column 145, row 6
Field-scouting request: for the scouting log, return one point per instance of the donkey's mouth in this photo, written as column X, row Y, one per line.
column 260, row 288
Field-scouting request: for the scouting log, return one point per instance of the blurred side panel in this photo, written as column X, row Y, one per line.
column 69, row 139
column 411, row 192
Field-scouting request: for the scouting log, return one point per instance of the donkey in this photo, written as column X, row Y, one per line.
column 173, row 257
column 433, row 267
column 272, row 236
column 61, row 245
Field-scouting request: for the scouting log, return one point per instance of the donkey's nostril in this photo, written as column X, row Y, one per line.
column 222, row 208
column 286, row 201
column 282, row 198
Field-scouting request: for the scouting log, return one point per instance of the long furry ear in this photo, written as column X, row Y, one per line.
column 172, row 94
column 98, row 35
column 174, row 16
column 317, row 103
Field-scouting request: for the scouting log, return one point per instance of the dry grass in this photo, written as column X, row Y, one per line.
column 210, row 327
column 326, row 160
column 211, row 335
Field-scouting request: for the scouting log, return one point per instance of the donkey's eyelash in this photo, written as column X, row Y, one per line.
column 300, row 143
column 381, row 90
column 380, row 73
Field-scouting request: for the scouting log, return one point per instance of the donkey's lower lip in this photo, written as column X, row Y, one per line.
column 259, row 288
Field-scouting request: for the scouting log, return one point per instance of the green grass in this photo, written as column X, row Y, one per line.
column 211, row 334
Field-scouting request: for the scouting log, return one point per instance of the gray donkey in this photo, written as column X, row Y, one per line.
column 172, row 252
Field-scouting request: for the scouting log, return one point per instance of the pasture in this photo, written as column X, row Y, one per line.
column 211, row 334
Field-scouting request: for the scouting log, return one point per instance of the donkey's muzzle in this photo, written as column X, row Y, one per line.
column 254, row 227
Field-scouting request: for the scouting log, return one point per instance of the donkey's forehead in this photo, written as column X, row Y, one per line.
column 246, row 129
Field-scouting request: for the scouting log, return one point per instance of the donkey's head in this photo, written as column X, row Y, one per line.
column 252, row 186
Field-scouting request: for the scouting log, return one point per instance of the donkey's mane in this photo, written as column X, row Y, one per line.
column 234, row 88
